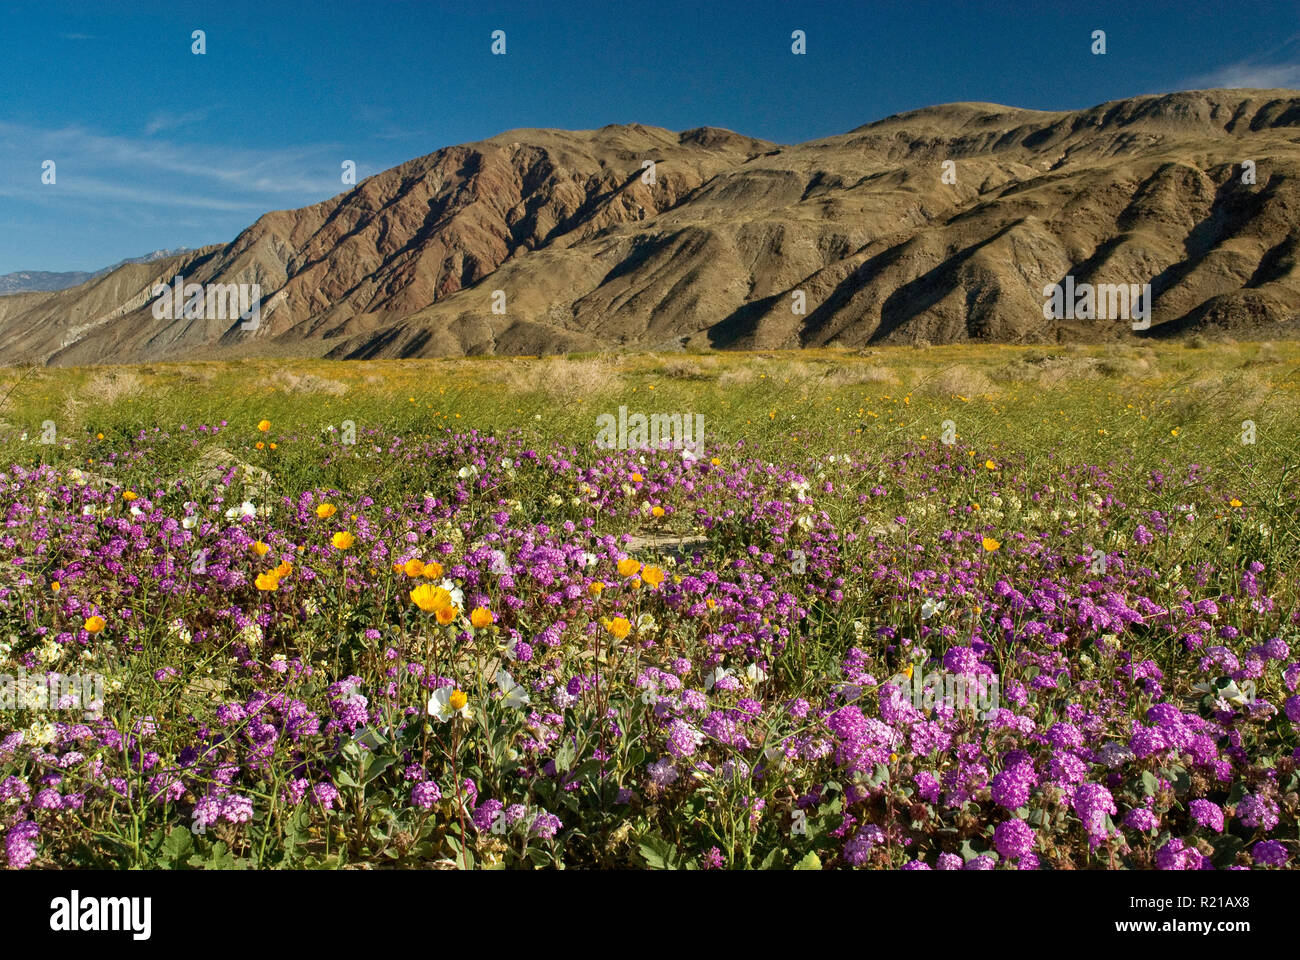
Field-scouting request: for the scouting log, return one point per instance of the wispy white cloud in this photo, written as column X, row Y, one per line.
column 181, row 173
column 1278, row 68
column 1252, row 76
column 171, row 121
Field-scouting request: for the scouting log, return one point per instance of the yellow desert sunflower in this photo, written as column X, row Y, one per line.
column 430, row 599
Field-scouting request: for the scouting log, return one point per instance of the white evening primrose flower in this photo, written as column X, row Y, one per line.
column 245, row 509
column 457, row 594
column 755, row 673
column 466, row 472
column 447, row 702
column 34, row 696
column 588, row 560
column 512, row 695
column 929, row 608
column 714, row 676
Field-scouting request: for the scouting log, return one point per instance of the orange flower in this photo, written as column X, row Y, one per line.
column 653, row 576
column 413, row 567
column 326, row 510
column 260, row 548
column 481, row 617
column 433, row 570
column 446, row 615
column 284, row 569
column 260, row 445
column 1234, row 502
column 595, row 587
column 93, row 624
column 56, row 586
column 130, row 495
column 990, row 544
column 264, row 425
column 430, row 599
column 656, row 511
column 637, row 478
column 343, row 540
column 267, row 581
column 619, row 627
column 627, row 567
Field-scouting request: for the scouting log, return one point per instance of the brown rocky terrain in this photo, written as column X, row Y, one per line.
column 1144, row 190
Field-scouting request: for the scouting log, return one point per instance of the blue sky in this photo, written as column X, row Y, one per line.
column 156, row 147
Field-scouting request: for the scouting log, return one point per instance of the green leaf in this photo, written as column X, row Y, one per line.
column 218, row 859
column 377, row 766
column 810, row 861
column 1148, row 783
column 564, row 757
column 1226, row 849
column 658, row 853
column 178, row 846
column 371, row 738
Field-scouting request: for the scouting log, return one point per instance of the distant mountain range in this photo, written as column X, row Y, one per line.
column 43, row 281
column 944, row 224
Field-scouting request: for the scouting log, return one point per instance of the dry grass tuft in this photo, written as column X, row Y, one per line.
column 306, row 383
column 959, row 380
column 563, row 378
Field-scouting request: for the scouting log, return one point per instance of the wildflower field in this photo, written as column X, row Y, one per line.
column 945, row 608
